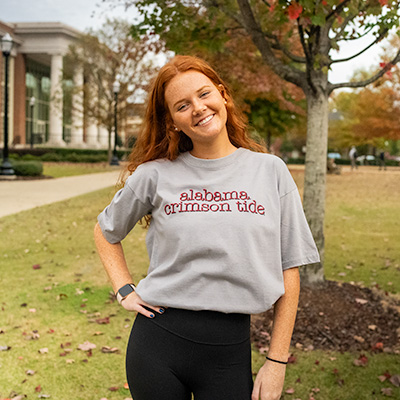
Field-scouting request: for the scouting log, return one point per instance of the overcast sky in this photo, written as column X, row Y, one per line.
column 84, row 14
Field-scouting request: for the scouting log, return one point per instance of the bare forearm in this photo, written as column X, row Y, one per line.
column 285, row 315
column 113, row 259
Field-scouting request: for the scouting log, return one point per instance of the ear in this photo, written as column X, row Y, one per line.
column 222, row 91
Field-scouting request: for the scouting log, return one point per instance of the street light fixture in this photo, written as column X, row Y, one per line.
column 6, row 47
column 116, row 88
column 32, row 105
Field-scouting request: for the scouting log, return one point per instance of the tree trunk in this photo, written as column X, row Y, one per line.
column 315, row 179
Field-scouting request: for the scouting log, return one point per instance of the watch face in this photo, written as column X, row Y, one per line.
column 125, row 290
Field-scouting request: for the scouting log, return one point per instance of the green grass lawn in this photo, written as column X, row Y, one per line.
column 60, row 169
column 66, row 301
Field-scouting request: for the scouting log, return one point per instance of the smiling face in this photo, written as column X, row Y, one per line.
column 197, row 108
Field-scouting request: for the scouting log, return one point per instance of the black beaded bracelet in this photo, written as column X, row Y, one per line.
column 277, row 361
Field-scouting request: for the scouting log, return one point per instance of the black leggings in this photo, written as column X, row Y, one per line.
column 183, row 352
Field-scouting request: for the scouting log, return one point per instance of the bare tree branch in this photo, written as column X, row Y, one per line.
column 349, row 18
column 337, row 9
column 286, row 72
column 356, row 38
column 362, row 51
column 277, row 45
column 366, row 82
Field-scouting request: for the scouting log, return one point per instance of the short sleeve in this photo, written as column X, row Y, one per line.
column 129, row 205
column 297, row 243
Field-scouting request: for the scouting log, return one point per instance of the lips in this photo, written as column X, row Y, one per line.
column 205, row 120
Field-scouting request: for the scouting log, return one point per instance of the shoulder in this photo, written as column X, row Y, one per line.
column 148, row 171
column 265, row 159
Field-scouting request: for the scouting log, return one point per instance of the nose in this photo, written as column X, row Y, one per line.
column 198, row 107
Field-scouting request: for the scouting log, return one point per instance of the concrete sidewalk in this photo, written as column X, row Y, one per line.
column 16, row 196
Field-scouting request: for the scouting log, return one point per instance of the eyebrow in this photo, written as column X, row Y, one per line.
column 197, row 91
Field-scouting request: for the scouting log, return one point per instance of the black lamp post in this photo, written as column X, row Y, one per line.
column 114, row 159
column 32, row 105
column 6, row 47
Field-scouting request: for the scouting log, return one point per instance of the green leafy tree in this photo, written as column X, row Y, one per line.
column 295, row 39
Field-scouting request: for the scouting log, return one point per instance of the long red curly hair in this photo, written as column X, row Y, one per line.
column 158, row 139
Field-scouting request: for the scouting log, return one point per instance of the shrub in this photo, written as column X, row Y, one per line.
column 51, row 157
column 29, row 157
column 27, row 168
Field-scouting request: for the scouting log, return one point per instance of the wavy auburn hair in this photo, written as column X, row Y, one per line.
column 159, row 139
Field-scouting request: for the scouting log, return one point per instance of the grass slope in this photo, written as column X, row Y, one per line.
column 66, row 301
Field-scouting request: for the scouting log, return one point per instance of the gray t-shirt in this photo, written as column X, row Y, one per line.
column 222, row 230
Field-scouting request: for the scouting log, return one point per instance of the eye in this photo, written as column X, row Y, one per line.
column 182, row 107
column 204, row 94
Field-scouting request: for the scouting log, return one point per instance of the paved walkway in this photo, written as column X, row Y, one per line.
column 16, row 196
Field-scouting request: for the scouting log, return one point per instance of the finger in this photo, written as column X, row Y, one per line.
column 256, row 392
column 146, row 311
column 150, row 308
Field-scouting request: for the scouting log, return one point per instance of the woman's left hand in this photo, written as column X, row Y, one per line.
column 269, row 382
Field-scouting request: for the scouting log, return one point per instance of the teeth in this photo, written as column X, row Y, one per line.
column 205, row 120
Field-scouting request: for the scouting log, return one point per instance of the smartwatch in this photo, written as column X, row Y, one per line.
column 125, row 291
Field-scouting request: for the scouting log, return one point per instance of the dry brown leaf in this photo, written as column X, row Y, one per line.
column 387, row 392
column 361, row 301
column 395, row 380
column 45, row 350
column 86, row 346
column 108, row 349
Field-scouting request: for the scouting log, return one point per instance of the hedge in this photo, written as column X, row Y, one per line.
column 27, row 168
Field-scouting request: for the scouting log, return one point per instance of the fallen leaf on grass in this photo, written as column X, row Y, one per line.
column 86, row 346
column 395, row 380
column 45, row 350
column 292, row 359
column 98, row 333
column 108, row 349
column 44, row 396
column 38, row 388
column 113, row 388
column 19, row 397
column 69, row 361
column 289, row 391
column 61, row 296
column 32, row 310
column 36, row 266
column 30, row 372
column 5, row 348
column 32, row 336
column 387, row 392
column 362, row 361
column 102, row 321
column 126, row 386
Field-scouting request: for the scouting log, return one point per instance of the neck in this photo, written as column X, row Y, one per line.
column 213, row 152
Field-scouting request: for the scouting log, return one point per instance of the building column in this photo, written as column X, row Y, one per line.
column 56, row 102
column 77, row 110
column 103, row 137
column 92, row 135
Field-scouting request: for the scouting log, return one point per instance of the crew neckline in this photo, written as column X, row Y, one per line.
column 213, row 163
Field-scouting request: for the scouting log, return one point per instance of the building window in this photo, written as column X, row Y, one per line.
column 38, row 85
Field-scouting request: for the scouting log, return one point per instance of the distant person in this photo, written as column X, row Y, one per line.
column 381, row 160
column 226, row 235
column 353, row 157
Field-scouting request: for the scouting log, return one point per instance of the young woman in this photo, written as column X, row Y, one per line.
column 226, row 236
